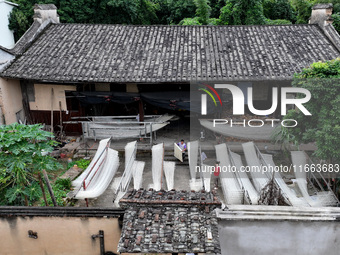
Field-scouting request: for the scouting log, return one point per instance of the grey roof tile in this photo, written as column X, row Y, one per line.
column 119, row 53
column 169, row 222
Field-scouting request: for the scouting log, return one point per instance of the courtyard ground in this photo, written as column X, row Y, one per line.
column 182, row 175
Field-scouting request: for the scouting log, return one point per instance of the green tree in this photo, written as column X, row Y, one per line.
column 22, row 149
column 242, row 12
column 21, row 17
column 303, row 10
column 136, row 12
column 202, row 15
column 323, row 127
column 80, row 11
column 278, row 9
column 173, row 11
column 203, row 11
column 336, row 21
column 216, row 6
column 90, row 11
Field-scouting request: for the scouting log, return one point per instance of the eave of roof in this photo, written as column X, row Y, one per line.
column 6, row 50
column 10, row 3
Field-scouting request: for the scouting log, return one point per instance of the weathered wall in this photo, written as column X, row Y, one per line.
column 43, row 97
column 10, row 100
column 279, row 237
column 57, row 235
column 102, row 87
column 5, row 58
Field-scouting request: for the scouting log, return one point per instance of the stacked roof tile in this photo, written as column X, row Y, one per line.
column 169, row 222
column 119, row 53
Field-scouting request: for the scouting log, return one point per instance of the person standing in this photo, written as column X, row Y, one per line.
column 217, row 173
column 183, row 147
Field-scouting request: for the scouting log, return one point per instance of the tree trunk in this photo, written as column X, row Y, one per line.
column 26, row 201
column 42, row 189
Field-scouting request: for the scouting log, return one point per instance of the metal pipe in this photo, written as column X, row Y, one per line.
column 101, row 241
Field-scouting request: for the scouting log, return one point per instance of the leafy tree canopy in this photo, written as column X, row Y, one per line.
column 336, row 21
column 242, row 12
column 184, row 12
column 136, row 12
column 279, row 10
column 303, row 9
column 203, row 11
column 323, row 127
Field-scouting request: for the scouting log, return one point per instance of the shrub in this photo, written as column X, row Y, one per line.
column 278, row 22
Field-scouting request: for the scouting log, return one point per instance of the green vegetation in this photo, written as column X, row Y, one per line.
column 278, row 22
column 183, row 12
column 323, row 127
column 60, row 189
column 242, row 12
column 22, row 160
column 279, row 10
column 81, row 163
column 336, row 22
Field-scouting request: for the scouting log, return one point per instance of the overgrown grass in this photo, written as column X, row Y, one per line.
column 60, row 189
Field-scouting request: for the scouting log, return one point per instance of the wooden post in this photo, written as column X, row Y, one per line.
column 50, row 188
column 52, row 96
column 61, row 119
column 141, row 111
column 162, row 166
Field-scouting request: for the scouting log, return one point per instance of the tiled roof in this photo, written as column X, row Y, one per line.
column 171, row 198
column 45, row 7
column 333, row 36
column 119, row 53
column 27, row 38
column 167, row 226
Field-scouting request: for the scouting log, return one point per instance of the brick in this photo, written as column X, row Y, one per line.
column 126, row 243
column 139, row 240
column 154, row 238
column 141, row 215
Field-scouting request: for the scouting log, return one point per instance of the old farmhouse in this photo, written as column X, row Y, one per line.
column 96, row 69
